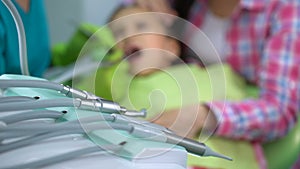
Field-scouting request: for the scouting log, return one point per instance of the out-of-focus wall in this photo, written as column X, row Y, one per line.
column 63, row 15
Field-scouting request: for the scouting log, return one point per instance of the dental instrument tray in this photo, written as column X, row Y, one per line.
column 48, row 125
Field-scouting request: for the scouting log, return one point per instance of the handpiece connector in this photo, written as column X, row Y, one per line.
column 106, row 106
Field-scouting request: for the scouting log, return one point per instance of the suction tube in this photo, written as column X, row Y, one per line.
column 21, row 36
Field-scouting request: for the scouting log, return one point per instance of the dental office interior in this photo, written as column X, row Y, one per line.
column 65, row 119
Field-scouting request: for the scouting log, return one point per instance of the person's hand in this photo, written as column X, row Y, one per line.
column 156, row 6
column 187, row 121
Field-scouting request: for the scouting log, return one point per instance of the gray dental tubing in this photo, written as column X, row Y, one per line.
column 84, row 100
column 43, row 84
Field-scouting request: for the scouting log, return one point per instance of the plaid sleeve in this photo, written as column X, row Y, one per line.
column 274, row 113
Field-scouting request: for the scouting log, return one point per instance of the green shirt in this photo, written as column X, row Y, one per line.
column 179, row 86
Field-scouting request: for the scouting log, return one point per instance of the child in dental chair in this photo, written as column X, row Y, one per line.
column 152, row 62
column 152, row 76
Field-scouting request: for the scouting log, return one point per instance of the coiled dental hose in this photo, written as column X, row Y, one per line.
column 67, row 156
column 115, row 118
column 75, row 127
column 43, row 84
column 9, row 99
column 38, row 104
column 58, row 130
column 29, row 115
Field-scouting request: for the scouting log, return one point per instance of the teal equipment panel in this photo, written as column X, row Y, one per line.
column 47, row 125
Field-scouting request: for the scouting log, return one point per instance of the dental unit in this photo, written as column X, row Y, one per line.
column 69, row 124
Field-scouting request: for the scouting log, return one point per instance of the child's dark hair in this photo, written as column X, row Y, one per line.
column 182, row 7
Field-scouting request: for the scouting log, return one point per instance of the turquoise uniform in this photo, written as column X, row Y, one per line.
column 38, row 48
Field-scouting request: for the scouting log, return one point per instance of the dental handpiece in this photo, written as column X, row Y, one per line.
column 193, row 146
column 99, row 105
column 155, row 132
column 108, row 106
column 82, row 99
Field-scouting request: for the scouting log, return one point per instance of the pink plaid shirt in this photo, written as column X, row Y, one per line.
column 264, row 47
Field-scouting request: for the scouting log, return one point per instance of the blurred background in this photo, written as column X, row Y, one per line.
column 64, row 15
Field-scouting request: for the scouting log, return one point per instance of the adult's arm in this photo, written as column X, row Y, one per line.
column 275, row 112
